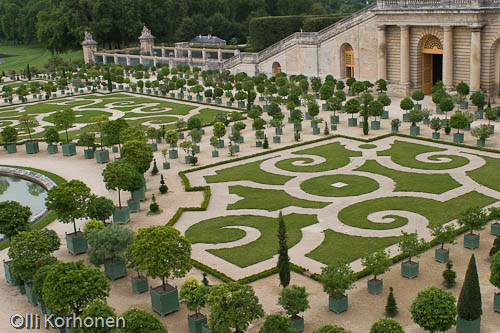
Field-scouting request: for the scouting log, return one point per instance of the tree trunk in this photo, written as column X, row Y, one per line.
column 119, row 200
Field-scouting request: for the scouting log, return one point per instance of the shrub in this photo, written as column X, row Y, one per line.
column 386, row 325
column 496, row 246
column 276, row 323
column 163, row 187
column 449, row 275
column 391, row 308
column 294, row 300
column 141, row 321
column 434, row 310
column 469, row 301
column 331, row 329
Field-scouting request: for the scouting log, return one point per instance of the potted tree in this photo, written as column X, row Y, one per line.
column 446, row 105
column 375, row 108
column 336, row 280
column 166, row 164
column 162, row 252
column 219, row 132
column 463, row 91
column 495, row 216
column 395, row 123
column 214, row 142
column 100, row 208
column 140, row 155
column 52, row 138
column 386, row 101
column 334, row 104
column 415, row 116
column 418, row 96
column 294, row 300
column 152, row 134
column 142, row 321
column 107, row 247
column 410, row 246
column 376, row 263
column 195, row 135
column 473, row 219
column 171, row 138
column 436, row 126
column 491, row 115
column 63, row 121
column 384, row 325
column 481, row 133
column 9, row 138
column 87, row 139
column 352, row 106
column 29, row 122
column 232, row 305
column 458, row 121
column 434, row 310
column 469, row 302
column 443, row 235
column 406, row 105
column 313, row 111
column 381, row 86
column 102, row 155
column 495, row 279
column 277, row 323
column 477, row 98
column 426, row 113
column 193, row 294
column 437, row 95
column 70, row 201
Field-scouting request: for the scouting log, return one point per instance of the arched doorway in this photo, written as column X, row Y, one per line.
column 432, row 63
column 276, row 68
column 347, row 61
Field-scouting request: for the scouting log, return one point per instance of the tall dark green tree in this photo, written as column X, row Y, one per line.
column 283, row 259
column 469, row 302
column 110, row 84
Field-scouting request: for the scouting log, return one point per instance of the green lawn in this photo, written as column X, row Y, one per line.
column 34, row 55
column 489, row 174
column 212, row 231
column 412, row 182
column 404, row 153
column 250, row 171
column 337, row 246
column 271, row 200
column 335, row 154
column 436, row 212
column 322, row 186
column 367, row 146
column 207, row 116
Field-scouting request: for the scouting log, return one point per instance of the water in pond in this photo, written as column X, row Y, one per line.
column 23, row 191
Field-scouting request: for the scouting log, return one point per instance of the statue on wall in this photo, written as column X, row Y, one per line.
column 88, row 36
column 146, row 33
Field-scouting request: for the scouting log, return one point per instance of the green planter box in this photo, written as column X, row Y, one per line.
column 173, row 145
column 32, row 147
column 215, row 153
column 102, row 156
column 417, row 106
column 229, row 103
column 352, row 122
column 409, row 270
column 133, row 205
column 140, row 284
column 241, row 104
column 496, row 302
column 467, row 127
column 375, row 125
column 164, row 302
column 406, row 117
column 334, row 119
column 492, row 129
column 180, row 95
column 478, row 114
column 471, row 241
column 241, row 139
column 88, row 154
column 333, row 127
column 115, row 270
column 495, row 229
column 166, row 165
column 338, row 305
column 464, row 105
column 314, row 124
column 258, row 143
column 42, row 307
column 114, row 149
column 220, row 144
column 265, row 108
column 361, row 124
column 173, row 154
column 9, row 276
column 308, row 116
column 261, row 98
column 30, row 295
column 158, row 140
column 481, row 143
column 172, row 95
column 69, row 149
column 278, row 131
column 187, row 159
column 350, row 92
column 385, row 114
column 468, row 326
column 121, row 216
column 208, row 100
column 444, row 122
column 52, row 149
column 154, row 146
column 316, row 130
column 236, row 149
column 395, row 129
column 11, row 148
column 458, row 137
column 218, row 100
column 196, row 322
column 196, row 149
column 375, row 286
column 298, row 323
column 190, row 98
column 76, row 243
column 21, row 288
column 415, row 130
column 205, row 329
column 297, row 127
column 199, row 98
column 436, row 135
column 139, row 194
column 442, row 255
column 276, row 139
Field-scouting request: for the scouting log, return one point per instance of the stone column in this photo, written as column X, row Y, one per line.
column 128, row 60
column 204, row 55
column 219, row 54
column 405, row 54
column 448, row 57
column 104, row 59
column 190, row 55
column 163, row 52
column 115, row 59
column 475, row 58
column 381, row 53
column 140, row 60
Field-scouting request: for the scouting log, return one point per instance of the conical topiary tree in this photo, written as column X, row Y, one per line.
column 469, row 301
column 283, row 259
column 391, row 308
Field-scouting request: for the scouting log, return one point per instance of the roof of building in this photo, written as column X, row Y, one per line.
column 207, row 39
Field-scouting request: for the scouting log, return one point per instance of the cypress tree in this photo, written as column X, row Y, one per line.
column 391, row 308
column 110, row 85
column 469, row 302
column 327, row 130
column 28, row 72
column 155, row 170
column 283, row 259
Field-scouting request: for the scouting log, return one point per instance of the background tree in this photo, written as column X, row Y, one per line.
column 9, row 135
column 86, row 139
column 444, row 234
column 434, row 310
column 482, row 132
column 277, row 323
column 141, row 321
column 64, row 120
column 473, row 218
column 458, row 121
column 100, row 208
column 294, row 300
column 391, row 308
column 95, row 310
column 337, row 278
column 132, row 133
column 331, row 328
column 111, row 131
column 386, row 325
column 410, row 245
column 138, row 153
column 377, row 263
column 51, row 136
column 193, row 294
column 29, row 122
column 121, row 176
column 469, row 302
column 283, row 258
column 436, row 124
column 69, row 201
column 109, row 244
column 232, row 305
column 14, row 218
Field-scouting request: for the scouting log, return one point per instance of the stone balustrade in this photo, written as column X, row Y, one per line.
column 446, row 4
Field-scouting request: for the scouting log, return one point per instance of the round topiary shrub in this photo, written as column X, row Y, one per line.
column 386, row 325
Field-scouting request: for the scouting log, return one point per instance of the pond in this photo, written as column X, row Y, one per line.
column 26, row 192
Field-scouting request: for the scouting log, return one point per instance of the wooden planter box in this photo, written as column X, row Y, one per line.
column 458, row 137
column 9, row 276
column 173, row 154
column 496, row 302
column 140, row 284
column 385, row 114
column 375, row 286
column 32, row 147
column 133, row 205
column 166, row 165
column 409, row 270
column 436, row 135
column 115, row 270
column 258, row 143
column 297, row 127
column 69, row 149
column 338, row 305
column 114, row 149
column 276, row 139
column 215, row 153
column 220, row 144
column 495, row 229
column 468, row 326
column 30, row 295
column 205, row 329
column 316, row 131
column 42, row 307
column 375, row 125
column 352, row 122
column 88, row 154
column 333, row 127
column 334, row 119
column 154, row 146
column 11, row 148
column 480, row 143
column 415, row 130
column 164, row 302
column 121, row 216
column 442, row 255
column 298, row 323
column 196, row 322
column 76, row 243
column 406, row 117
column 471, row 241
column 187, row 159
column 139, row 194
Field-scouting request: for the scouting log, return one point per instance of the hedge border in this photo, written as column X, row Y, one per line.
column 296, row 268
column 51, row 216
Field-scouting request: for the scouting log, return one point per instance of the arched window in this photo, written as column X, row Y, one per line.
column 276, row 68
column 347, row 61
